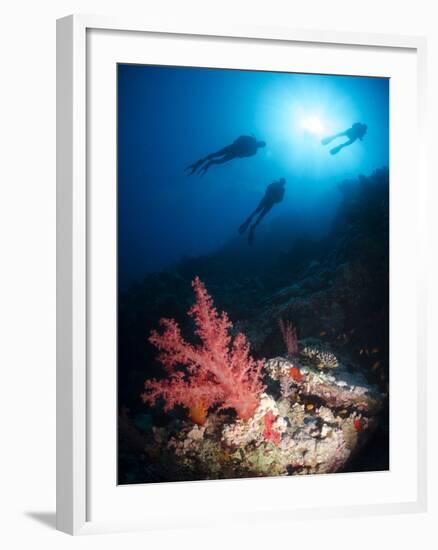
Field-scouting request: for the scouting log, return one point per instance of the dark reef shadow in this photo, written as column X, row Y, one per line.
column 45, row 518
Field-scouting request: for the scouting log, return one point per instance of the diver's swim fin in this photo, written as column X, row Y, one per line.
column 336, row 150
column 327, row 140
column 194, row 167
column 191, row 167
column 244, row 227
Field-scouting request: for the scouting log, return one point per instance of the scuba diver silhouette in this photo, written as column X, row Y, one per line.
column 357, row 131
column 273, row 195
column 243, row 146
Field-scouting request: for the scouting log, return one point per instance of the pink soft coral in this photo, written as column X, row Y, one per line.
column 289, row 333
column 219, row 371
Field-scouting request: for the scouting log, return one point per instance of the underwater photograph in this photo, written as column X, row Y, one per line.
column 253, row 273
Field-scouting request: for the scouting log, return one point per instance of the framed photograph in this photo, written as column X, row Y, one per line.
column 241, row 297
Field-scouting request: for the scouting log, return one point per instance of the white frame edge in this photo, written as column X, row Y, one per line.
column 71, row 339
column 71, row 433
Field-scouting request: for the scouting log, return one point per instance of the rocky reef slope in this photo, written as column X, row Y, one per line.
column 313, row 425
column 336, row 292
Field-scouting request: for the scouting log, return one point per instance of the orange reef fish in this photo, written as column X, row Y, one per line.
column 198, row 413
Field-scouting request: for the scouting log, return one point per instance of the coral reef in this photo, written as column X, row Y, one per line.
column 316, row 428
column 342, row 389
column 328, row 402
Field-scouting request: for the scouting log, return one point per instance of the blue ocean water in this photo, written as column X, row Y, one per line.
column 168, row 117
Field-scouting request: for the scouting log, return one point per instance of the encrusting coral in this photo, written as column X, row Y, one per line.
column 323, row 359
column 217, row 372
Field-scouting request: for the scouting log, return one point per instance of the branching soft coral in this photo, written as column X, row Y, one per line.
column 218, row 371
column 289, row 333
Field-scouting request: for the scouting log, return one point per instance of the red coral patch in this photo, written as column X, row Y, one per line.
column 268, row 433
column 296, row 374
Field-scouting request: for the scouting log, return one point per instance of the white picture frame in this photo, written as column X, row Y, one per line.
column 75, row 216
